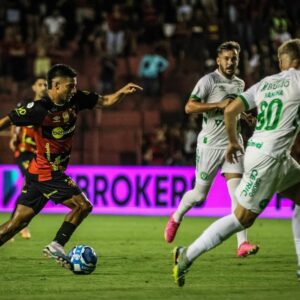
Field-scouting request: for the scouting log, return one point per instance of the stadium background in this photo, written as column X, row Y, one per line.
column 106, row 41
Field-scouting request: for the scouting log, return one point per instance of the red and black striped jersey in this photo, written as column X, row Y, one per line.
column 54, row 127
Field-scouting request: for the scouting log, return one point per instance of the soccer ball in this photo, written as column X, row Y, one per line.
column 83, row 259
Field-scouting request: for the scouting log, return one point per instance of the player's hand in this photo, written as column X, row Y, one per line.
column 232, row 152
column 249, row 119
column 130, row 88
column 12, row 145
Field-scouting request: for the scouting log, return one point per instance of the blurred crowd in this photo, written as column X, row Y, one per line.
column 35, row 33
column 171, row 38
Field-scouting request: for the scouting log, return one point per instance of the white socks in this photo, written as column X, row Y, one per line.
column 190, row 199
column 296, row 231
column 232, row 184
column 214, row 235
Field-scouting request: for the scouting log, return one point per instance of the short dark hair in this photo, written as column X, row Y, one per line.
column 36, row 78
column 229, row 45
column 291, row 48
column 59, row 70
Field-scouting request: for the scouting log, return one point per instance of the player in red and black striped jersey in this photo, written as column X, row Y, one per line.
column 22, row 139
column 54, row 120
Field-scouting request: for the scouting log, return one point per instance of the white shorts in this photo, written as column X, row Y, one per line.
column 264, row 176
column 209, row 161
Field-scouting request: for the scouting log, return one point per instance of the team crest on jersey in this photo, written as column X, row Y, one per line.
column 30, row 105
column 203, row 175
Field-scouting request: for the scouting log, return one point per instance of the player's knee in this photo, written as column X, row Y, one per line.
column 245, row 216
column 17, row 223
column 247, row 221
column 89, row 208
column 86, row 207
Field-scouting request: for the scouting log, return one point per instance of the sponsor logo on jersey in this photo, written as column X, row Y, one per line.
column 58, row 132
column 252, row 143
column 281, row 83
column 252, row 185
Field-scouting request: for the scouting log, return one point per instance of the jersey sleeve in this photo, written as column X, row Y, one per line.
column 248, row 97
column 202, row 89
column 28, row 114
column 85, row 100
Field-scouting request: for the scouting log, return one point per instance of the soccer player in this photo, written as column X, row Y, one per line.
column 268, row 165
column 22, row 140
column 296, row 234
column 54, row 120
column 210, row 96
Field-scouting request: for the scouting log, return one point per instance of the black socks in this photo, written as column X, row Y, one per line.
column 64, row 233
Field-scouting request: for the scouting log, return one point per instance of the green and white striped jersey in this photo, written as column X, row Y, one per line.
column 211, row 88
column 277, row 99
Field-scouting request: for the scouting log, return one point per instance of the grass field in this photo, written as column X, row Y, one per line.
column 135, row 263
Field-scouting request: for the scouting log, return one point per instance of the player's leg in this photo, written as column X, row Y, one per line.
column 244, row 248
column 262, row 173
column 296, row 234
column 80, row 208
column 207, row 164
column 293, row 193
column 290, row 188
column 63, row 190
column 29, row 204
column 23, row 161
column 21, row 218
column 214, row 235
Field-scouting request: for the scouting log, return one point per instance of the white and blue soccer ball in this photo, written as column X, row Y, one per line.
column 83, row 259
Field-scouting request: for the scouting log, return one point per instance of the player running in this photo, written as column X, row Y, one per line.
column 210, row 96
column 268, row 165
column 54, row 120
column 22, row 140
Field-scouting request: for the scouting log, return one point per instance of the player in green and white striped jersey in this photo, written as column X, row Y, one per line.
column 268, row 165
column 210, row 96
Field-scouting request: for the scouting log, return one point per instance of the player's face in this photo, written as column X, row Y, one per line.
column 228, row 61
column 40, row 88
column 65, row 88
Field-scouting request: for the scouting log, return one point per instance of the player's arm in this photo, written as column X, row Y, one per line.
column 196, row 107
column 5, row 123
column 230, row 117
column 13, row 138
column 108, row 100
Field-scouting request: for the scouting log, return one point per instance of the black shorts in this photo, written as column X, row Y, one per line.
column 35, row 194
column 23, row 161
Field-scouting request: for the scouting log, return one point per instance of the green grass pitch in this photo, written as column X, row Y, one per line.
column 135, row 263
